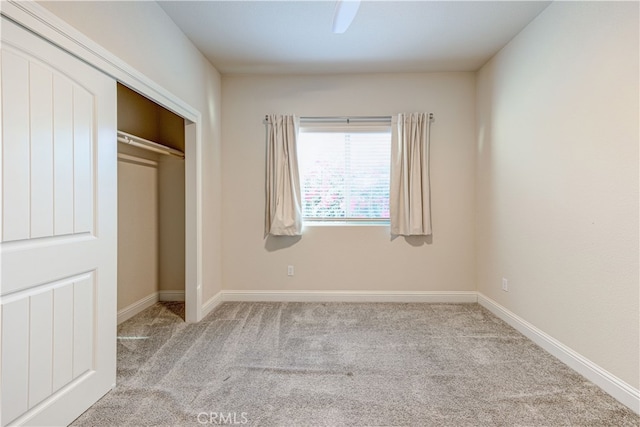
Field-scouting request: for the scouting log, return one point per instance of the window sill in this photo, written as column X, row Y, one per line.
column 345, row 223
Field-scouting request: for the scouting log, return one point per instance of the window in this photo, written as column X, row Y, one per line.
column 344, row 172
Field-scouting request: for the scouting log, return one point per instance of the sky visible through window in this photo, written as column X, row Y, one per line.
column 344, row 175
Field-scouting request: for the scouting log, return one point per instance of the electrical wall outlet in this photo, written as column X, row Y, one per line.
column 290, row 270
column 505, row 285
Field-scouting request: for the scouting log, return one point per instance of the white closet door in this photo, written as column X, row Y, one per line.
column 58, row 232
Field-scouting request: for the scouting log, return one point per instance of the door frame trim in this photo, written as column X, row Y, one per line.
column 37, row 19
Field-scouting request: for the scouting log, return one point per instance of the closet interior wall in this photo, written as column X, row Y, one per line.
column 151, row 205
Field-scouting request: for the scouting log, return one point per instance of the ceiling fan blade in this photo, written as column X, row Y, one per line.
column 343, row 15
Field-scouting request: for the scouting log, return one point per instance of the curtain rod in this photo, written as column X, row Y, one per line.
column 347, row 119
column 145, row 144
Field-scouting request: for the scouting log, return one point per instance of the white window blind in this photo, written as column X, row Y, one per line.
column 344, row 172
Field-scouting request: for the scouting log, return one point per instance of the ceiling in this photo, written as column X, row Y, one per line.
column 294, row 37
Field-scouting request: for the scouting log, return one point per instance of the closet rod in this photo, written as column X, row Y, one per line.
column 136, row 141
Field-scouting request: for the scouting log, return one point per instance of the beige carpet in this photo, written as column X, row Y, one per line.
column 343, row 364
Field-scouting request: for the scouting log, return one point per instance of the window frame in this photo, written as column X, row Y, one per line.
column 346, row 125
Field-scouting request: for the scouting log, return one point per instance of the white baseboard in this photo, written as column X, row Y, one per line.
column 351, row 296
column 337, row 296
column 212, row 303
column 131, row 310
column 135, row 308
column 171, row 295
column 620, row 390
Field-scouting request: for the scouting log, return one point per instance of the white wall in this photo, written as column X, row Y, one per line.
column 137, row 226
column 356, row 258
column 141, row 34
column 557, row 183
column 171, row 206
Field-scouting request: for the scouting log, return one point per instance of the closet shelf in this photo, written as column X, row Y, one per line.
column 127, row 138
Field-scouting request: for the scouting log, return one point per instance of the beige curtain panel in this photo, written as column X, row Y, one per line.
column 410, row 198
column 283, row 212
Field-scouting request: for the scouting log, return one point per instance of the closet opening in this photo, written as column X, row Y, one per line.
column 151, row 206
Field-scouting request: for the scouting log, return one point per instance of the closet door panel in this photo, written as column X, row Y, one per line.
column 63, row 331
column 15, row 157
column 15, row 365
column 83, row 307
column 41, row 134
column 40, row 346
column 63, row 155
column 82, row 160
